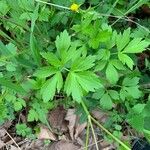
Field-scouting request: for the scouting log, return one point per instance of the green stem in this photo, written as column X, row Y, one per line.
column 51, row 4
column 85, row 108
column 104, row 129
column 94, row 136
column 100, row 126
column 87, row 136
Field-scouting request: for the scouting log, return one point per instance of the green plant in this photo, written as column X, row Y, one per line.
column 23, row 130
column 82, row 56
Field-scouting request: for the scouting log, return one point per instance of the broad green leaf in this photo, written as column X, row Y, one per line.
column 147, row 109
column 137, row 45
column 98, row 93
column 118, row 64
column 112, row 74
column 51, row 58
column 138, row 108
column 125, row 59
column 123, row 39
column 63, row 42
column 137, row 122
column 100, row 65
column 147, row 123
column 133, row 91
column 45, row 72
column 130, row 81
column 10, row 85
column 106, row 102
column 83, row 64
column 123, row 94
column 113, row 94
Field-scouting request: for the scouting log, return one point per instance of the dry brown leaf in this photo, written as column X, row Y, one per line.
column 45, row 133
column 71, row 118
column 79, row 129
column 56, row 119
column 2, row 144
column 64, row 145
column 13, row 148
column 2, row 132
column 75, row 128
column 100, row 115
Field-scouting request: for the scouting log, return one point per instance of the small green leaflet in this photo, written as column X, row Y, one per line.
column 117, row 64
column 49, row 88
column 51, row 58
column 113, row 94
column 12, row 86
column 138, row 108
column 125, row 59
column 123, row 39
column 100, row 65
column 63, row 42
column 137, row 122
column 45, row 72
column 130, row 81
column 32, row 116
column 106, row 101
column 18, row 104
column 112, row 74
column 137, row 45
column 130, row 88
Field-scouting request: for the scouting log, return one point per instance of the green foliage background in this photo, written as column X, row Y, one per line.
column 48, row 54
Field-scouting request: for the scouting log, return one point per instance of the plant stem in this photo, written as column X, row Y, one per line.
column 104, row 129
column 94, row 136
column 87, row 136
column 51, row 4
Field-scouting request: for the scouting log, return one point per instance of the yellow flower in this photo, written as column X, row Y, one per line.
column 74, row 7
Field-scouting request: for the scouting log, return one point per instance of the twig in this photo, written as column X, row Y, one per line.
column 90, row 145
column 94, row 136
column 111, row 135
column 51, row 4
column 13, row 140
column 87, row 136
